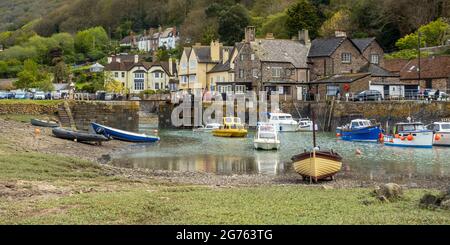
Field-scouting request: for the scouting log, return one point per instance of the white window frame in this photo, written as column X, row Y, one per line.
column 346, row 58
column 252, row 56
column 241, row 73
column 375, row 59
column 240, row 89
column 276, row 71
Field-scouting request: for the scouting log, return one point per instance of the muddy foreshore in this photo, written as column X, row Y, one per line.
column 21, row 137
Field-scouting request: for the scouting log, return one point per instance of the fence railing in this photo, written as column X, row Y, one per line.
column 401, row 95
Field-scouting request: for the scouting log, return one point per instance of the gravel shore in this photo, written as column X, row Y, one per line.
column 21, row 137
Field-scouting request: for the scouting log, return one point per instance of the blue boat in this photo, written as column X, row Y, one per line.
column 360, row 130
column 123, row 135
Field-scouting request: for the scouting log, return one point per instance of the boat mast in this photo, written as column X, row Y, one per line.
column 313, row 115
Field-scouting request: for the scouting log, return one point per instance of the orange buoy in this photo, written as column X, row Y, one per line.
column 410, row 137
column 392, row 141
column 397, row 136
column 402, row 138
column 37, row 131
column 338, row 135
column 437, row 137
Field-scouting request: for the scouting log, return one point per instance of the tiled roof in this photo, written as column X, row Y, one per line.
column 395, row 65
column 363, row 43
column 377, row 71
column 126, row 40
column 281, row 50
column 341, row 78
column 325, row 46
column 221, row 67
column 431, row 68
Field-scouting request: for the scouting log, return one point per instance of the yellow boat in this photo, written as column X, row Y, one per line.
column 317, row 165
column 232, row 127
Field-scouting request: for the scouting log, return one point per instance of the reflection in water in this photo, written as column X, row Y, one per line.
column 196, row 151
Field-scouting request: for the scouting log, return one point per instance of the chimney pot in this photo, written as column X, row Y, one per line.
column 136, row 58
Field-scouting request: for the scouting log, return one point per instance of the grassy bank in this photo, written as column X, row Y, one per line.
column 28, row 101
column 38, row 188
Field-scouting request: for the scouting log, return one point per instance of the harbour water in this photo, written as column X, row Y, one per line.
column 185, row 150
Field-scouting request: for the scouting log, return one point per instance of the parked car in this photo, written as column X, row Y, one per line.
column 56, row 96
column 366, row 95
column 39, row 95
column 135, row 98
column 109, row 96
column 3, row 95
column 22, row 95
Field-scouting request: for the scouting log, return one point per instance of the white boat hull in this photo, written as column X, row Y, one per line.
column 287, row 127
column 266, row 144
column 307, row 128
column 444, row 139
column 420, row 140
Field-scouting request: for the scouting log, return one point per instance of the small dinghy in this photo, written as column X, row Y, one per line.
column 79, row 136
column 43, row 123
column 123, row 135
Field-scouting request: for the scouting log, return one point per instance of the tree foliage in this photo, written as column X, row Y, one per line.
column 33, row 77
column 302, row 15
column 232, row 24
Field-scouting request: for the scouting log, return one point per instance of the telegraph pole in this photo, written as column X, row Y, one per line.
column 418, row 67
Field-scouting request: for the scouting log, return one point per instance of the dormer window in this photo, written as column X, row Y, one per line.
column 346, row 58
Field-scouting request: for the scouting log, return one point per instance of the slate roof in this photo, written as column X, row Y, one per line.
column 377, row 71
column 341, row 78
column 126, row 40
column 363, row 43
column 281, row 50
column 431, row 68
column 325, row 46
column 221, row 67
column 203, row 53
column 395, row 65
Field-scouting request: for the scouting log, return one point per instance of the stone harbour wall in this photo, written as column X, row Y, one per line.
column 117, row 114
column 28, row 109
column 390, row 112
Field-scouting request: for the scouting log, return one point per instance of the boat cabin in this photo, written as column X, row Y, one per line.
column 360, row 123
column 280, row 117
column 441, row 127
column 232, row 123
column 410, row 127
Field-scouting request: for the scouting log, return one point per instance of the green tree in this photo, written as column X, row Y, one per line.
column 232, row 24
column 302, row 15
column 276, row 24
column 209, row 34
column 61, row 72
column 340, row 21
column 93, row 42
column 432, row 34
column 33, row 77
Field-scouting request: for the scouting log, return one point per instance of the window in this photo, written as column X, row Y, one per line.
column 255, row 73
column 242, row 57
column 123, row 74
column 139, row 81
column 332, row 90
column 374, row 59
column 241, row 73
column 192, row 64
column 287, row 90
column 156, row 86
column 192, row 78
column 158, row 75
column 183, row 66
column 252, row 56
column 346, row 58
column 116, row 74
column 288, row 72
column 184, row 79
column 276, row 71
column 240, row 89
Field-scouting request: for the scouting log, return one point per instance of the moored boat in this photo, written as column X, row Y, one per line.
column 441, row 133
column 283, row 121
column 316, row 164
column 44, row 123
column 123, row 135
column 232, row 127
column 79, row 136
column 360, row 130
column 266, row 137
column 208, row 128
column 306, row 125
column 411, row 134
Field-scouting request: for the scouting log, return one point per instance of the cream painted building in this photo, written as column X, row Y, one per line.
column 138, row 75
column 197, row 64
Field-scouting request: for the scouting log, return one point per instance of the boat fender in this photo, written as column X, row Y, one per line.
column 402, row 138
column 37, row 131
column 410, row 137
column 397, row 136
column 338, row 135
column 437, row 137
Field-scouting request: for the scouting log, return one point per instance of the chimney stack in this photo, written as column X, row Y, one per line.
column 250, row 34
column 225, row 55
column 110, row 59
column 215, row 50
column 136, row 58
column 340, row 34
column 303, row 37
column 171, row 66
